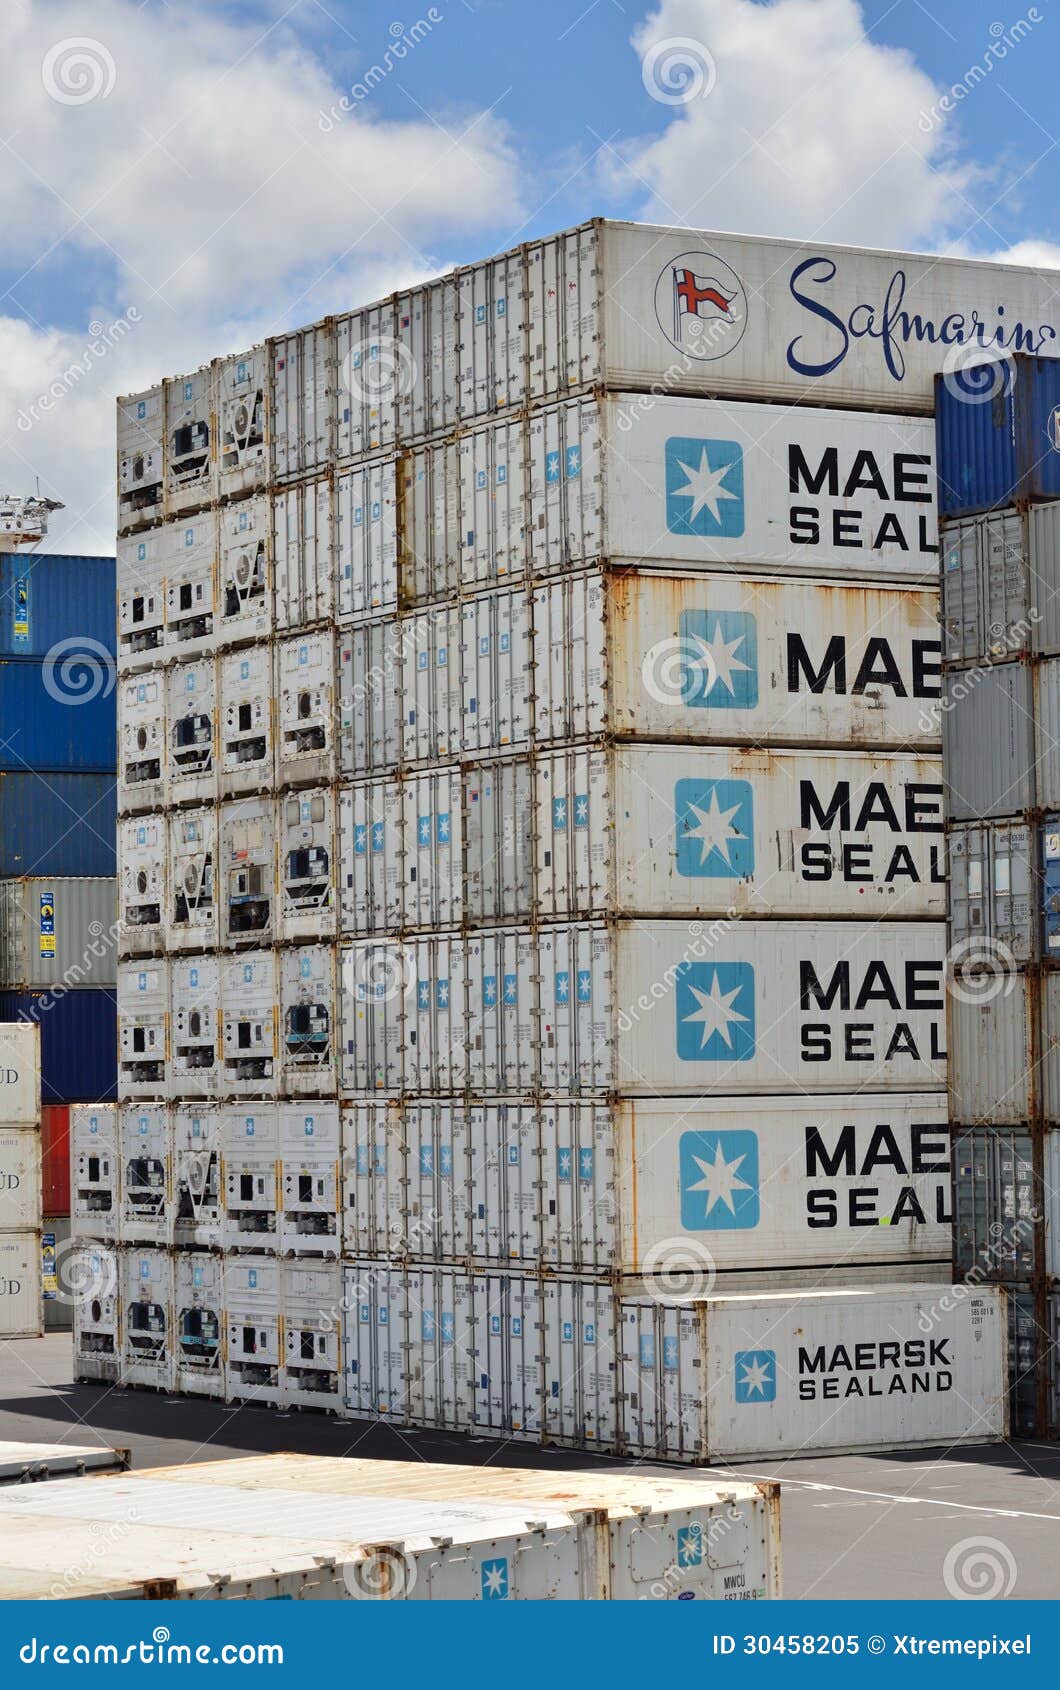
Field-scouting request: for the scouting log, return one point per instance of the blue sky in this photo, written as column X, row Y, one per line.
column 173, row 168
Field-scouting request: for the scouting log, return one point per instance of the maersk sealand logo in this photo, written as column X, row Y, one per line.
column 715, row 1008
column 721, row 662
column 755, row 1375
column 704, row 488
column 714, row 820
column 719, row 1181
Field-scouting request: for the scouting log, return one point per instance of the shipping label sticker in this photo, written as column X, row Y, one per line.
column 47, row 924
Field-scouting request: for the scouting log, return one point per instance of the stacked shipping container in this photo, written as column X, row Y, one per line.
column 20, row 1183
column 530, row 849
column 999, row 492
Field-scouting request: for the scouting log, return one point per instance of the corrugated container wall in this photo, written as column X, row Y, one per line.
column 997, row 434
column 79, row 1033
column 54, row 603
column 59, row 824
column 58, row 932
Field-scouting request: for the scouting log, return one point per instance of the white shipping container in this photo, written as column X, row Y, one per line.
column 308, row 863
column 715, row 658
column 698, row 831
column 366, row 540
column 198, row 1313
column 301, row 426
column 29, row 1464
column 145, row 1147
column 249, row 1017
column 197, row 1174
column 143, row 1028
column 372, row 840
column 777, row 1184
column 312, row 1334
column 307, row 699
column 191, row 908
column 253, row 1301
column 21, row 1306
column 141, row 427
column 247, row 721
column 95, row 1163
column 370, row 698
column 310, row 1155
column 241, row 386
column 248, row 870
column 20, row 1179
column 267, row 1541
column 191, row 585
column 250, row 1153
column 309, row 1021
column 195, row 985
column 143, row 883
column 20, row 1073
column 141, row 742
column 736, row 1378
column 141, row 573
column 191, row 718
column 146, row 1317
column 189, row 463
column 373, row 1179
column 91, row 1275
column 375, row 1353
column 245, row 576
column 303, row 547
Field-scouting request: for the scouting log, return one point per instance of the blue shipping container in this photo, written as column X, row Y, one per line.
column 78, row 1041
column 997, row 434
column 57, row 824
column 60, row 715
column 47, row 598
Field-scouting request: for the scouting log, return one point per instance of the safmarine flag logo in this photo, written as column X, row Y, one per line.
column 715, row 1006
column 720, row 659
column 756, row 1376
column 719, row 1181
column 704, row 488
column 715, row 829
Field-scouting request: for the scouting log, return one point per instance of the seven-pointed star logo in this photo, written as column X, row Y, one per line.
column 715, row 828
column 494, row 1580
column 715, row 1006
column 756, row 1375
column 720, row 659
column 704, row 488
column 719, row 1182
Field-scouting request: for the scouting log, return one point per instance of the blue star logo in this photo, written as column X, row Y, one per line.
column 755, row 1376
column 714, row 820
column 704, row 488
column 495, row 1580
column 690, row 1546
column 719, row 1181
column 720, row 655
column 715, row 1009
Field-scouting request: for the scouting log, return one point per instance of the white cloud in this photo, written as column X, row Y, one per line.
column 1036, row 255
column 810, row 129
column 207, row 185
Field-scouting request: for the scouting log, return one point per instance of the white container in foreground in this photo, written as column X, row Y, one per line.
column 20, row 1073
column 731, row 1379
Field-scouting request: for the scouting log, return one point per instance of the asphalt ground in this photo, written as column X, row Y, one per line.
column 902, row 1526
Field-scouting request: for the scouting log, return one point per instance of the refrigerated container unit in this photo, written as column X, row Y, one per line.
column 247, row 833
column 143, row 886
column 309, row 1021
column 245, row 575
column 190, row 409
column 247, row 724
column 253, row 1304
column 250, row 1158
column 191, row 717
column 142, row 562
column 91, row 1278
column 198, row 1314
column 145, row 1284
column 249, row 1017
column 307, row 697
column 142, row 764
column 95, row 1160
column 312, row 1334
column 57, row 932
column 190, row 920
column 143, row 1028
column 197, row 1180
column 145, row 1148
column 141, row 428
column 191, row 586
column 241, row 384
column 309, row 868
column 310, row 1153
column 195, row 984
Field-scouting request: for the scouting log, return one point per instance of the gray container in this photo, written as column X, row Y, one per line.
column 58, row 932
column 1043, row 524
column 986, row 588
column 993, row 1203
column 991, row 1040
column 993, row 887
column 1047, row 732
column 988, row 741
